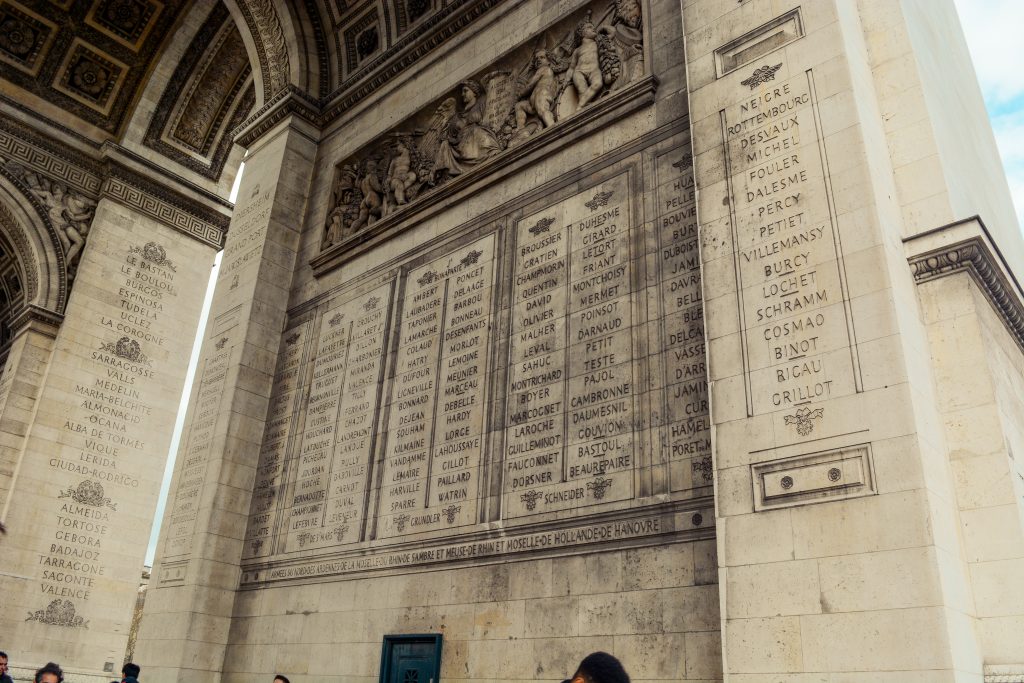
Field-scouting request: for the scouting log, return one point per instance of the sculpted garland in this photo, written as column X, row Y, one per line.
column 564, row 71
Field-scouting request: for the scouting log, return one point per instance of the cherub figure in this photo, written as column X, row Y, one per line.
column 371, row 206
column 585, row 64
column 537, row 96
column 400, row 175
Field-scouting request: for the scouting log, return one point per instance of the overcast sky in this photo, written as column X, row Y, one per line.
column 993, row 29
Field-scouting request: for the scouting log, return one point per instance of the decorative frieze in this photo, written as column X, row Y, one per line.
column 580, row 60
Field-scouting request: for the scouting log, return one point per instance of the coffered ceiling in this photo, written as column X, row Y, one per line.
column 89, row 58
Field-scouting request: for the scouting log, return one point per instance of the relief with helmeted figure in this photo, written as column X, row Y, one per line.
column 569, row 67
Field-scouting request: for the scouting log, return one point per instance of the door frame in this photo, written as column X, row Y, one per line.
column 404, row 638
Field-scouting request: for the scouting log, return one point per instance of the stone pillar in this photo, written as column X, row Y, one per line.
column 33, row 332
column 84, row 491
column 839, row 552
column 190, row 599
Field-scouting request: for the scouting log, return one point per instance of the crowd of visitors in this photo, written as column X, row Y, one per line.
column 597, row 667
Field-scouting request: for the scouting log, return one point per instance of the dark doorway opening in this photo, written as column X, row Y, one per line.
column 411, row 659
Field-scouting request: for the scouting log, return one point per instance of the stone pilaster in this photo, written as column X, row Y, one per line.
column 24, row 372
column 839, row 552
column 97, row 428
column 190, row 599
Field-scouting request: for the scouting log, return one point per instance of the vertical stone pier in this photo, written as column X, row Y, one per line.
column 840, row 545
column 89, row 404
column 187, row 617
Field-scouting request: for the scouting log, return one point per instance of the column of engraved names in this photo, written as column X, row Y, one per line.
column 280, row 418
column 354, row 433
column 460, row 411
column 686, row 431
column 535, row 414
column 185, row 507
column 413, row 395
column 311, row 480
column 602, row 451
column 570, row 421
column 435, row 443
column 797, row 334
column 104, row 433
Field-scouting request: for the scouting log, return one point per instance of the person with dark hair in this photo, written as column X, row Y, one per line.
column 599, row 667
column 4, row 676
column 51, row 673
column 279, row 678
column 130, row 673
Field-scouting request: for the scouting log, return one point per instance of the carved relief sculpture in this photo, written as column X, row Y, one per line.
column 69, row 212
column 567, row 69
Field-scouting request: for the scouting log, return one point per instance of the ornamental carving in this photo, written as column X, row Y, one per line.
column 563, row 71
column 126, row 348
column 58, row 613
column 272, row 48
column 23, row 37
column 88, row 493
column 69, row 212
column 804, row 419
column 155, row 254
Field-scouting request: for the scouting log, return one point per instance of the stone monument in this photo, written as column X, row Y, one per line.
column 691, row 332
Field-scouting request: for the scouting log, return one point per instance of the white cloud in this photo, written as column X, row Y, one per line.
column 993, row 35
column 993, row 28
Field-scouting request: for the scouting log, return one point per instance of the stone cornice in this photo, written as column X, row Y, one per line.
column 290, row 101
column 1004, row 674
column 123, row 176
column 135, row 191
column 24, row 145
column 37, row 318
column 405, row 52
column 975, row 255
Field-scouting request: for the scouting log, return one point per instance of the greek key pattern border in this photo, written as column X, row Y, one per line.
column 133, row 197
column 17, row 149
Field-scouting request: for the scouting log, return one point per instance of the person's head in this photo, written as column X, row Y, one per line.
column 50, row 673
column 130, row 670
column 471, row 92
column 3, row 662
column 600, row 667
column 281, row 679
column 540, row 58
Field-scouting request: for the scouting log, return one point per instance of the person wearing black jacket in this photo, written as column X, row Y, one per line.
column 130, row 673
column 4, row 676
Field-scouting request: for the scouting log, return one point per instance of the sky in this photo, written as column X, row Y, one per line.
column 993, row 30
column 993, row 35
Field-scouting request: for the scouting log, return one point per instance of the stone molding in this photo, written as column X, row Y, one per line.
column 1004, row 673
column 132, row 190
column 290, row 101
column 235, row 107
column 22, row 144
column 976, row 256
column 25, row 250
column 113, row 177
column 272, row 47
column 367, row 79
column 37, row 319
column 677, row 522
